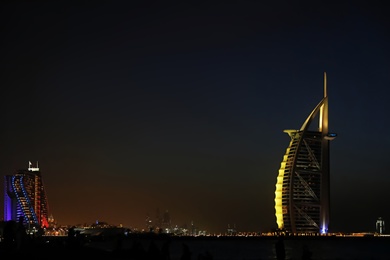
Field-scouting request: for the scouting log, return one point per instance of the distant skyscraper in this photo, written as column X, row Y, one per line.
column 302, row 188
column 166, row 221
column 25, row 198
column 380, row 226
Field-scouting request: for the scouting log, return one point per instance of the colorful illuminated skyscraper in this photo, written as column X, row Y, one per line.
column 25, row 198
column 302, row 188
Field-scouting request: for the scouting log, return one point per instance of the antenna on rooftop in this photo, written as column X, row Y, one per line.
column 31, row 168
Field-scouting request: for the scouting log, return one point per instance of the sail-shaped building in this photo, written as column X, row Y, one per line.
column 25, row 198
column 302, row 187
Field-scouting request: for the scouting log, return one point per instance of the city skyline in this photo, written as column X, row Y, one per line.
column 129, row 107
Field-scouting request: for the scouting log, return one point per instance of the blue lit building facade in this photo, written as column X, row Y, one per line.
column 302, row 187
column 25, row 198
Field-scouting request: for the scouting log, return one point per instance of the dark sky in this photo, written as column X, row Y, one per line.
column 182, row 106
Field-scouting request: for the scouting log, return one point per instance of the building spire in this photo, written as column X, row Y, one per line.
column 323, row 120
column 325, row 86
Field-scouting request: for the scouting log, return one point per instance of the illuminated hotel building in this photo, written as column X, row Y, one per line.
column 302, row 188
column 25, row 198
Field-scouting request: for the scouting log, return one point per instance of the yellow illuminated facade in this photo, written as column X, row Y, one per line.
column 302, row 187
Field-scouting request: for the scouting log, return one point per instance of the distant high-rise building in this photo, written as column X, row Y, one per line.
column 231, row 231
column 25, row 198
column 302, row 188
column 148, row 222
column 380, row 226
column 166, row 221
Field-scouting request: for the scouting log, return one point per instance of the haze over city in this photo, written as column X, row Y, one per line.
column 134, row 107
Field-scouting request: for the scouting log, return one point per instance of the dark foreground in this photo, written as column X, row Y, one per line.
column 143, row 247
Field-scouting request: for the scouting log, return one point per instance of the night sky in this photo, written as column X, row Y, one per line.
column 133, row 107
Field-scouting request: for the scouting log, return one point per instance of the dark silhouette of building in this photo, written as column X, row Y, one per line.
column 25, row 198
column 166, row 222
column 302, row 188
